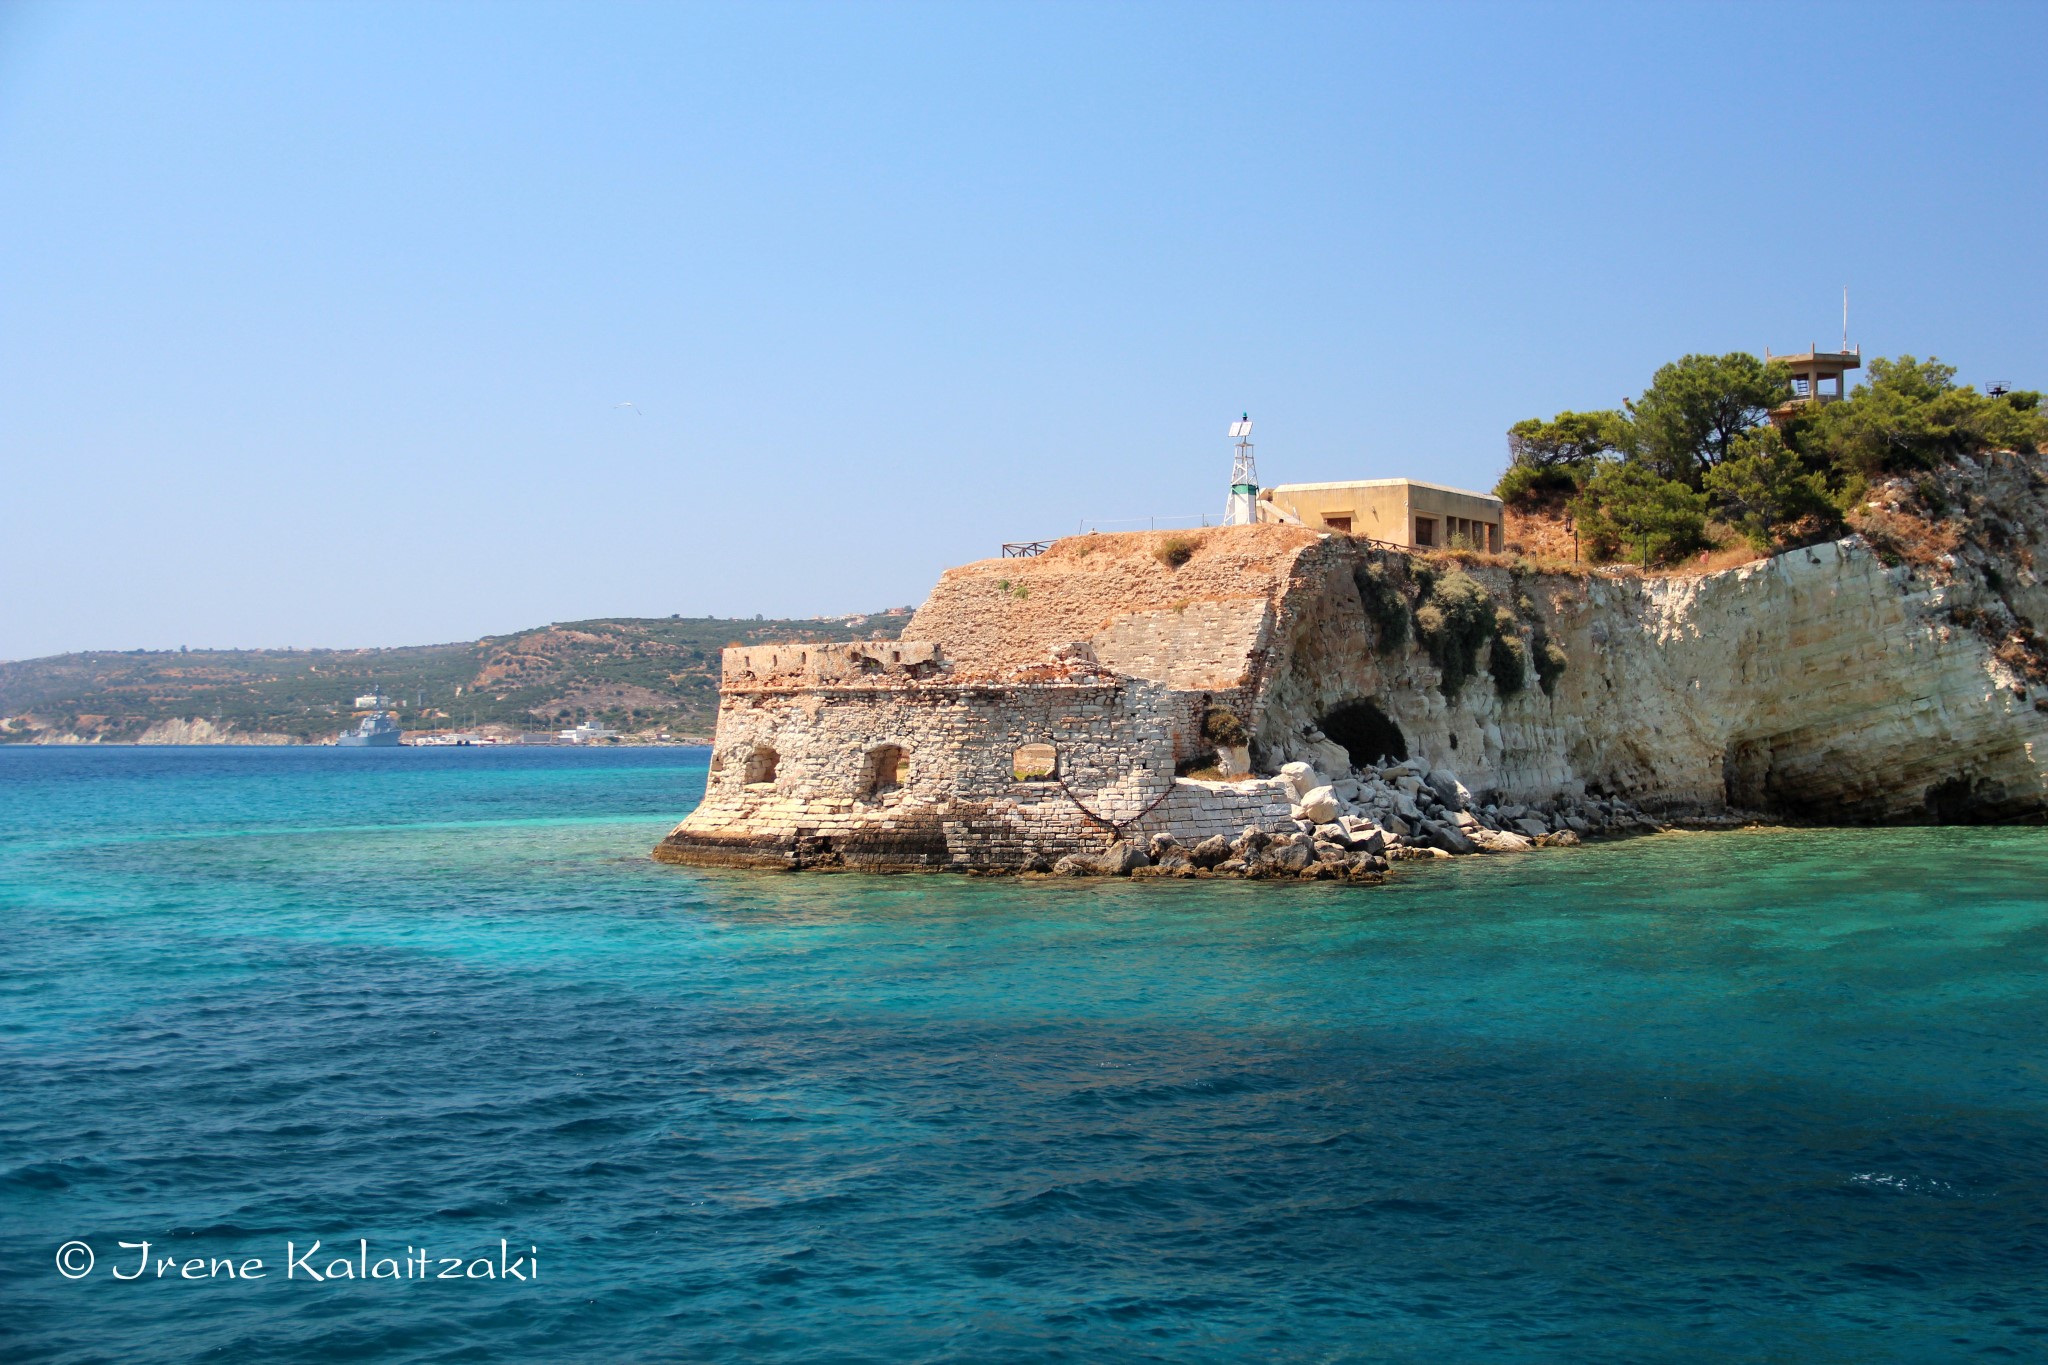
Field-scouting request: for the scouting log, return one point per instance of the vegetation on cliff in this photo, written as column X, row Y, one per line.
column 1694, row 460
column 1458, row 624
column 1454, row 620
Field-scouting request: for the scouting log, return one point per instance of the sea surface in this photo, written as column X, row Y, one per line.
column 1762, row 1096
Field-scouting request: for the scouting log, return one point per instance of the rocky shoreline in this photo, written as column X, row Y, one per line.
column 1355, row 827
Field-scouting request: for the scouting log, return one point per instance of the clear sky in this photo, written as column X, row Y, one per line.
column 314, row 319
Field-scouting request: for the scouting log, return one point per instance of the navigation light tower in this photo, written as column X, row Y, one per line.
column 1242, row 510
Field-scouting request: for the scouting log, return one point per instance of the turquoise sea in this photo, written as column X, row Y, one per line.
column 1751, row 1097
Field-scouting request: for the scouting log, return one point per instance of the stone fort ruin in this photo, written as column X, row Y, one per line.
column 1121, row 687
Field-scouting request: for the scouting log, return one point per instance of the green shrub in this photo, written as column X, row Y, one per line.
column 1175, row 551
column 1525, row 486
column 1761, row 488
column 1453, row 623
column 1551, row 460
column 1220, row 725
column 1385, row 605
column 1550, row 662
column 1627, row 506
column 1688, row 420
column 1911, row 414
column 1508, row 660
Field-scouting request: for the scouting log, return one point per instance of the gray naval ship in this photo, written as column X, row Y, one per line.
column 378, row 729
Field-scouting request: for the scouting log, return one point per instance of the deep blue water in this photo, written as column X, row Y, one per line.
column 1755, row 1097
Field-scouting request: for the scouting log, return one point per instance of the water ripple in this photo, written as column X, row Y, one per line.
column 1750, row 1097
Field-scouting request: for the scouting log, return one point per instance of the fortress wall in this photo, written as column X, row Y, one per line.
column 959, row 802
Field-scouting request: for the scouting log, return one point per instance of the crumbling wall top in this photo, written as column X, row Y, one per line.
column 1002, row 613
column 801, row 662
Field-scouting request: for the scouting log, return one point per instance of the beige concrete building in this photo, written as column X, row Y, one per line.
column 1812, row 372
column 1404, row 512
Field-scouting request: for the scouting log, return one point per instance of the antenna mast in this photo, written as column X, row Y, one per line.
column 1241, row 509
column 1845, row 319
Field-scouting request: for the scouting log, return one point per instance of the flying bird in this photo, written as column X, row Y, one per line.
column 636, row 409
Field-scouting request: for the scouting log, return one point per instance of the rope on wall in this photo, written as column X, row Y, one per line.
column 1116, row 829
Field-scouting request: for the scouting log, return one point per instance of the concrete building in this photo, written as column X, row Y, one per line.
column 1812, row 372
column 1403, row 512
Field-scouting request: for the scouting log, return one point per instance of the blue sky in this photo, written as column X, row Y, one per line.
column 313, row 319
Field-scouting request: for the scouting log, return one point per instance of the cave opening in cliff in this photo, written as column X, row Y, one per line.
column 1366, row 732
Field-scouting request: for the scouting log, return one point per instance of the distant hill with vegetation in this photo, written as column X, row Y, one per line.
column 640, row 676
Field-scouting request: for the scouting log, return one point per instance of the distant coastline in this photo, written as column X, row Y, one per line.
column 235, row 741
column 651, row 680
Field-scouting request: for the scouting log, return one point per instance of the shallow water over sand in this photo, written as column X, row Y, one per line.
column 1754, row 1096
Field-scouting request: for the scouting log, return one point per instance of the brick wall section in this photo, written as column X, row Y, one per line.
column 804, row 662
column 1203, row 645
column 1000, row 613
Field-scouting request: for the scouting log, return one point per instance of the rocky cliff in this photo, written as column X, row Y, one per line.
column 1821, row 684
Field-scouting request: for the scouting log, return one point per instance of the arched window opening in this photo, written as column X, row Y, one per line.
column 1367, row 733
column 883, row 770
column 1035, row 763
column 761, row 764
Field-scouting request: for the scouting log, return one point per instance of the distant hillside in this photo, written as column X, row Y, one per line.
column 638, row 676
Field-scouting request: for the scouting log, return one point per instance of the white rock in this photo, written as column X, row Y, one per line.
column 1327, row 756
column 1299, row 779
column 1318, row 804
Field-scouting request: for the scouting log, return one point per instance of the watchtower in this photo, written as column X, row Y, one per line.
column 1812, row 371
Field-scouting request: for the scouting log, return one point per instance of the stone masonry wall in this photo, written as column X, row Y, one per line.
column 958, row 802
